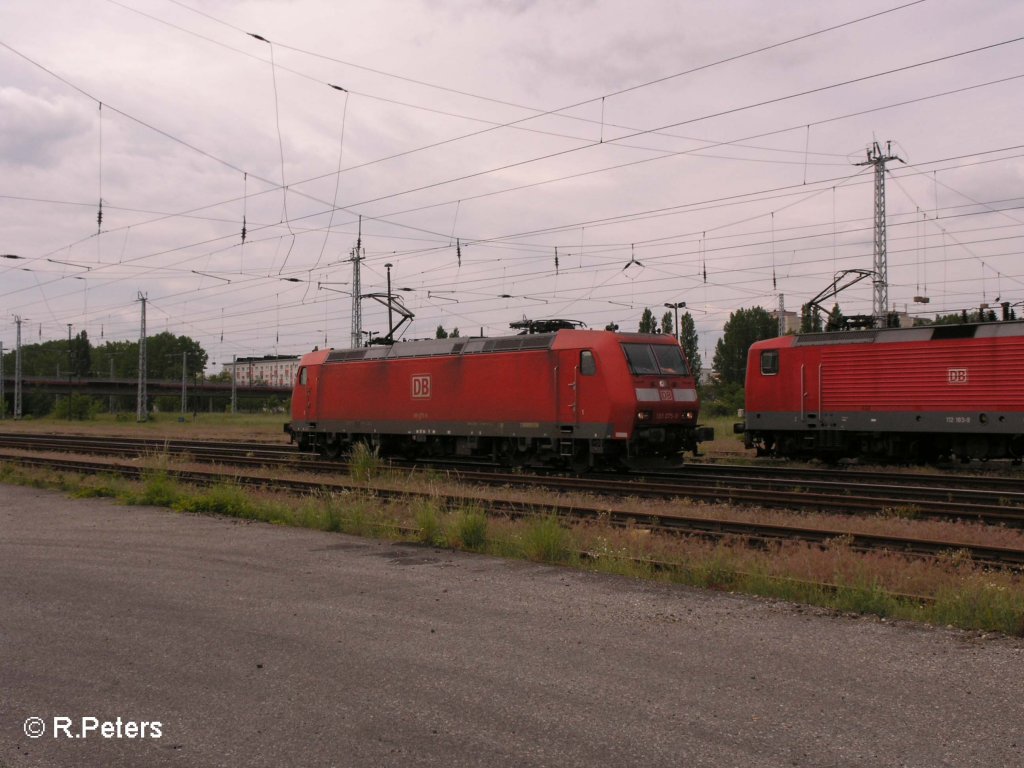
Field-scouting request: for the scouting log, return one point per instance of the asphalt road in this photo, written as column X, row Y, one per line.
column 245, row 644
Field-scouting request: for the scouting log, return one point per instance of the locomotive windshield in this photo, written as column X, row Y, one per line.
column 655, row 359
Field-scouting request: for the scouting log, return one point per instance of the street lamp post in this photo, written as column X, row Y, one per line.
column 184, row 391
column 676, row 307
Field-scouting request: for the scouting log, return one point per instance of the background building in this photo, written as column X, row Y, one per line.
column 273, row 370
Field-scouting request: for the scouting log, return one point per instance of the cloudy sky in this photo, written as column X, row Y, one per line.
column 581, row 159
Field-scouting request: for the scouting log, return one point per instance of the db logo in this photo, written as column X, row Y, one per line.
column 957, row 375
column 421, row 386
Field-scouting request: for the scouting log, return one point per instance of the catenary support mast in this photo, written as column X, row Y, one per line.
column 140, row 400
column 357, row 289
column 878, row 159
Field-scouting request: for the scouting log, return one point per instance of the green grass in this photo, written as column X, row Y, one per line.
column 222, row 499
column 158, row 489
column 544, row 540
column 428, row 520
column 365, row 463
column 469, row 530
column 980, row 604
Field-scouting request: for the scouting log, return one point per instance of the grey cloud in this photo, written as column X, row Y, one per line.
column 36, row 129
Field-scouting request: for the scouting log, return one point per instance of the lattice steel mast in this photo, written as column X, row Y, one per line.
column 881, row 283
column 357, row 289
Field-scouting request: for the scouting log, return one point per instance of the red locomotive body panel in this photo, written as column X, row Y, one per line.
column 559, row 393
column 915, row 393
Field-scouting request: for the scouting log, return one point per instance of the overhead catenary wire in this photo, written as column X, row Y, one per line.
column 544, row 113
column 525, row 256
column 402, row 193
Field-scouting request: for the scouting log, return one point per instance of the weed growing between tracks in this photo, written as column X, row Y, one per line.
column 951, row 590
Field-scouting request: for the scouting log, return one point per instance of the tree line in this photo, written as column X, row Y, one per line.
column 77, row 358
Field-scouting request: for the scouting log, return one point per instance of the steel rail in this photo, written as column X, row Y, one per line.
column 712, row 528
column 896, row 495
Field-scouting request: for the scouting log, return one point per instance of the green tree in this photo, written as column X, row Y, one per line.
column 77, row 406
column 810, row 319
column 123, row 354
column 647, row 322
column 974, row 316
column 81, row 355
column 48, row 358
column 743, row 328
column 441, row 333
column 666, row 324
column 721, row 398
column 836, row 320
column 163, row 356
column 688, row 340
column 956, row 318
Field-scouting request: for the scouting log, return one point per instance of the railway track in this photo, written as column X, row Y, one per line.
column 711, row 528
column 989, row 499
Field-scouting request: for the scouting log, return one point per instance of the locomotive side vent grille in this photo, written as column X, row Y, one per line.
column 536, row 341
column 346, row 354
column 442, row 347
column 846, row 337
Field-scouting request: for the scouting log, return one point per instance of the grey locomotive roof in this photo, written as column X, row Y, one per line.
column 437, row 347
column 921, row 333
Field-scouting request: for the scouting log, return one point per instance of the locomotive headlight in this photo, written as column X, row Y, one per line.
column 643, row 415
column 662, row 383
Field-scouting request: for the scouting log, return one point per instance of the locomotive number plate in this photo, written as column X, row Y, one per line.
column 421, row 386
column 957, row 375
column 666, row 394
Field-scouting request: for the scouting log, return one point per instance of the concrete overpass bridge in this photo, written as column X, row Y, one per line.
column 129, row 387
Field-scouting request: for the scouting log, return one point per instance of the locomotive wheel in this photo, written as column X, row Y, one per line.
column 331, row 449
column 1017, row 447
column 507, row 453
column 580, row 461
column 411, row 450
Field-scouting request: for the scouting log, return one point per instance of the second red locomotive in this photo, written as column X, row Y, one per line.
column 577, row 397
column 906, row 394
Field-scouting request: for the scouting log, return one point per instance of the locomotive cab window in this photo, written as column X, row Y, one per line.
column 302, row 376
column 646, row 359
column 670, row 360
column 588, row 366
column 769, row 362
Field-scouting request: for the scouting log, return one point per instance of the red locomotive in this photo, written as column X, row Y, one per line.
column 576, row 397
column 905, row 394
